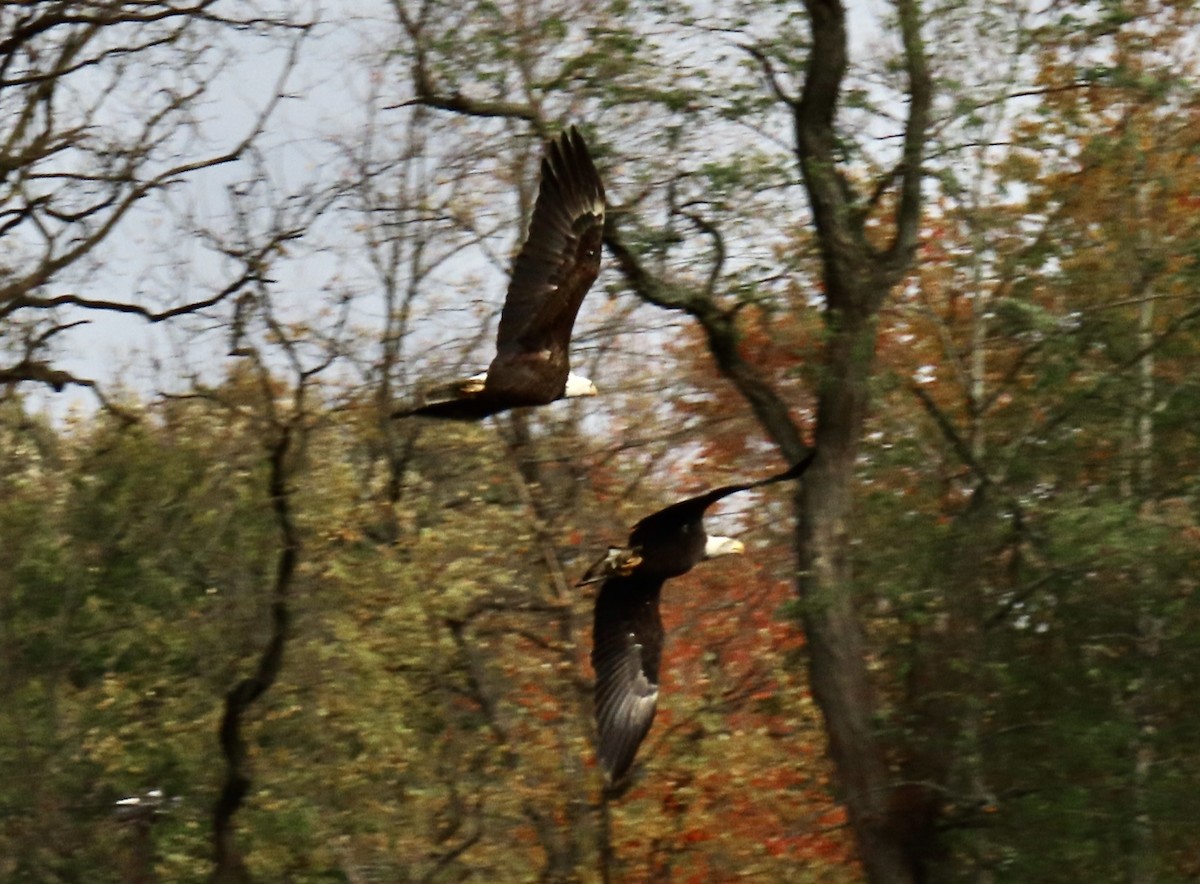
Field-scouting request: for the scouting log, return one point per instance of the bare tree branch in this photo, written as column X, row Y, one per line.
column 899, row 255
column 720, row 327
column 768, row 69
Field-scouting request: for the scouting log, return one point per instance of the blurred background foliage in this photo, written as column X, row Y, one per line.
column 1025, row 537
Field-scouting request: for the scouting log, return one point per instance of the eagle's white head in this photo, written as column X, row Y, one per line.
column 577, row 385
column 723, row 546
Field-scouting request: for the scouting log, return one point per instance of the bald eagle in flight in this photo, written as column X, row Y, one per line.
column 553, row 271
column 627, row 632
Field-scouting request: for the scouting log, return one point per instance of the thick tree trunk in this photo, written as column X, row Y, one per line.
column 857, row 278
column 837, row 657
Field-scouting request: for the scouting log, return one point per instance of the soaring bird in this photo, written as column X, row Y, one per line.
column 554, row 269
column 627, row 632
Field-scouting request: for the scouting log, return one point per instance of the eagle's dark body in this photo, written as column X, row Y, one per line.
column 627, row 632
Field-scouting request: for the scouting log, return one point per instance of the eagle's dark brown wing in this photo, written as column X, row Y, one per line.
column 560, row 258
column 658, row 527
column 553, row 271
column 627, row 637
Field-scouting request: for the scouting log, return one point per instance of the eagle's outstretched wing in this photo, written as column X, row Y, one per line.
column 561, row 256
column 668, row 519
column 627, row 637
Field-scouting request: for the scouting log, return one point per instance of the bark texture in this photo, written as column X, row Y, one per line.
column 857, row 277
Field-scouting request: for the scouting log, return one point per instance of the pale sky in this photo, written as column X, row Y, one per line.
column 148, row 255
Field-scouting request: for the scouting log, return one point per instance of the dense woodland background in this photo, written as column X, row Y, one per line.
column 965, row 262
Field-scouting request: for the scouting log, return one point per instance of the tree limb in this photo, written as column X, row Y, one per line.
column 720, row 328
column 950, row 432
column 920, row 97
column 229, row 865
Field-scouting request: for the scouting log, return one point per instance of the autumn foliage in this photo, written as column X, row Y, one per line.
column 1007, row 620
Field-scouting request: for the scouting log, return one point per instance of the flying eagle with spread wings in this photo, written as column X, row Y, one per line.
column 627, row 631
column 554, row 269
